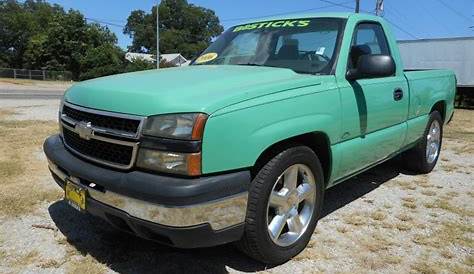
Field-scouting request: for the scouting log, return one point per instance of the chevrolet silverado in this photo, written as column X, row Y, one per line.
column 241, row 145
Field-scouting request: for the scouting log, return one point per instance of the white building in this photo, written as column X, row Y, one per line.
column 174, row 58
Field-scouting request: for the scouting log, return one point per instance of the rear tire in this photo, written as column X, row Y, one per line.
column 424, row 156
column 281, row 215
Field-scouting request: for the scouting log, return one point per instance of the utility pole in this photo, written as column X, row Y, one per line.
column 357, row 6
column 157, row 34
column 379, row 7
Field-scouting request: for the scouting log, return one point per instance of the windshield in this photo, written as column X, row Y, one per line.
column 303, row 45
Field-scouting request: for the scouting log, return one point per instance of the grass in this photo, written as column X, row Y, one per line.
column 21, row 168
column 403, row 185
column 85, row 264
column 376, row 242
column 469, row 261
column 424, row 267
column 356, row 219
column 49, row 264
column 447, row 254
column 404, row 217
column 403, row 226
column 449, row 168
column 410, row 205
column 428, row 192
column 32, row 82
column 449, row 233
column 378, row 215
column 446, row 205
column 24, row 259
column 342, row 229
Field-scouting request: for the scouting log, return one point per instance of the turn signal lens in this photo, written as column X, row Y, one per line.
column 198, row 129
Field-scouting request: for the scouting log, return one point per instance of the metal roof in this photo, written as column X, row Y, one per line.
column 461, row 38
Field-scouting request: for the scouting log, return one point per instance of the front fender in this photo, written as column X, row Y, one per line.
column 235, row 139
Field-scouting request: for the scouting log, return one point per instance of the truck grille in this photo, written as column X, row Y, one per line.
column 113, row 123
column 104, row 151
column 103, row 137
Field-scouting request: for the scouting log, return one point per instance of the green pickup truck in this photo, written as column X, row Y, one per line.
column 241, row 145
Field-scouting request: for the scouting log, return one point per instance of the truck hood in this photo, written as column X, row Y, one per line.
column 187, row 89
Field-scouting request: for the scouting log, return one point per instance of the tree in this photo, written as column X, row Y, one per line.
column 106, row 59
column 184, row 28
column 138, row 64
column 37, row 35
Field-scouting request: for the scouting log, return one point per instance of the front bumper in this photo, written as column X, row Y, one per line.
column 183, row 212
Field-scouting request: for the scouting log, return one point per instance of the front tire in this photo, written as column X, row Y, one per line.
column 285, row 202
column 424, row 156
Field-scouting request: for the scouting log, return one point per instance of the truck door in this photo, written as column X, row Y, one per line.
column 374, row 109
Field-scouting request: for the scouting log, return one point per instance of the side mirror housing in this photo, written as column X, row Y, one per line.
column 372, row 66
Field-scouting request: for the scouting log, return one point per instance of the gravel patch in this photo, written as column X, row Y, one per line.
column 31, row 109
column 385, row 220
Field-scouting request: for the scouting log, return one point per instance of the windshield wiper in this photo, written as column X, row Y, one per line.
column 251, row 64
column 263, row 65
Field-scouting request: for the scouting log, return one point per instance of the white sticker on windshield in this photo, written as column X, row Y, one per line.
column 320, row 51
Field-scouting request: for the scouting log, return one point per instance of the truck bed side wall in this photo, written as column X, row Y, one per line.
column 426, row 89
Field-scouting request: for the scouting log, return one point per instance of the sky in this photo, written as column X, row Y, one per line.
column 411, row 19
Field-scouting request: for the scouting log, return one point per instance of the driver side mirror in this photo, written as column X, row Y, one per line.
column 372, row 66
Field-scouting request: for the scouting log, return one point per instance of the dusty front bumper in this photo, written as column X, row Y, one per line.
column 169, row 205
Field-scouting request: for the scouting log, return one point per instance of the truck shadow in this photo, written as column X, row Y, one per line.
column 124, row 253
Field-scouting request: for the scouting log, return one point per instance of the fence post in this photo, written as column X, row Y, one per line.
column 29, row 73
column 44, row 75
column 14, row 73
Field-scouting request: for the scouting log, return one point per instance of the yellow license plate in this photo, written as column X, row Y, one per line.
column 75, row 196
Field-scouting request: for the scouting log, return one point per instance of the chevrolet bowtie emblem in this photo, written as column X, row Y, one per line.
column 84, row 129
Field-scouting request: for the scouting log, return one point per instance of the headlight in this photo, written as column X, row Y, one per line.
column 163, row 134
column 187, row 126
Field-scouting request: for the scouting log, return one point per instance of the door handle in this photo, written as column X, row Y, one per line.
column 398, row 94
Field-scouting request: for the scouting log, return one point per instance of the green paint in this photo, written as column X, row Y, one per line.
column 252, row 108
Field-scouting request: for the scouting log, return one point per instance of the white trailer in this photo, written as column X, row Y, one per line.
column 445, row 53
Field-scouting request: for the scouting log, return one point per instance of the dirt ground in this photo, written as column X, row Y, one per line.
column 383, row 221
column 37, row 84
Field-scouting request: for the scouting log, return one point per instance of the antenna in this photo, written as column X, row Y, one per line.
column 157, row 34
column 357, row 7
column 379, row 7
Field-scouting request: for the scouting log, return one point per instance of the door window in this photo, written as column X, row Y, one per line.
column 372, row 36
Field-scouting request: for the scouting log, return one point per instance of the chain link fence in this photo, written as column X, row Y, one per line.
column 49, row 75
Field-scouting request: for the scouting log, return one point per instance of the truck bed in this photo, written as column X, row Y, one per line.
column 429, row 86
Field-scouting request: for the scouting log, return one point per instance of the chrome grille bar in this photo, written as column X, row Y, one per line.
column 104, row 134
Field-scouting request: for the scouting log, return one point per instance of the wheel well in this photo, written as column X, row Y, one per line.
column 317, row 141
column 441, row 108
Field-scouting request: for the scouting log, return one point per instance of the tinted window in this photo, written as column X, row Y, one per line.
column 373, row 36
column 370, row 39
column 303, row 45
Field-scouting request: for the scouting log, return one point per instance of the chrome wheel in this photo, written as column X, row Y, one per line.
column 291, row 205
column 433, row 142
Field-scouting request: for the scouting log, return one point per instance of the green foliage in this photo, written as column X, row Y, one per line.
column 37, row 35
column 106, row 59
column 138, row 64
column 184, row 28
